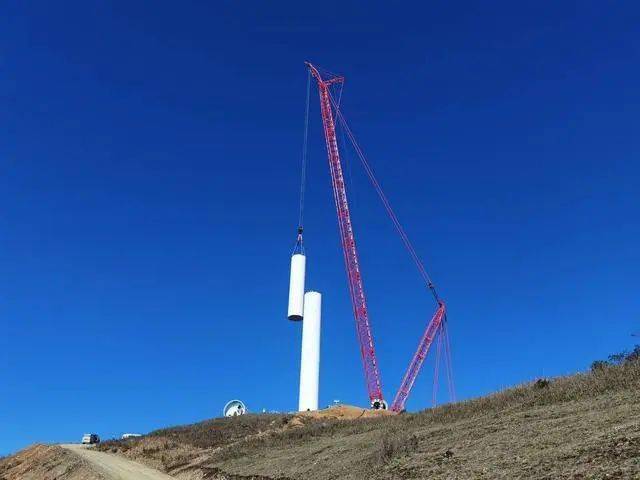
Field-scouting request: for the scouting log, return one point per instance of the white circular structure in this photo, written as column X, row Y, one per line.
column 234, row 408
column 377, row 404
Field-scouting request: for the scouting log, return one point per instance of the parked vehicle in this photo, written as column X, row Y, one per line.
column 90, row 438
column 130, row 435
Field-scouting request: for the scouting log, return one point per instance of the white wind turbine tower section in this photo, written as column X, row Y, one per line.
column 310, row 358
column 296, row 287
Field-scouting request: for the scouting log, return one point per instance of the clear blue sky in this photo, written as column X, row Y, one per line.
column 149, row 191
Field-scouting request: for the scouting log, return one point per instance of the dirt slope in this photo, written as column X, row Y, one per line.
column 42, row 462
column 579, row 427
column 115, row 467
column 73, row 462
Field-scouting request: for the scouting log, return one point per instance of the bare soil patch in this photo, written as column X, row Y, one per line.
column 46, row 462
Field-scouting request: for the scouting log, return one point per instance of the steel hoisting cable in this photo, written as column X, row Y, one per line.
column 385, row 202
column 437, row 368
column 449, row 367
column 340, row 94
column 443, row 340
column 303, row 176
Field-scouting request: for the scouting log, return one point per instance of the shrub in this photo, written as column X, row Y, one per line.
column 617, row 359
column 542, row 383
column 599, row 365
column 394, row 444
column 634, row 355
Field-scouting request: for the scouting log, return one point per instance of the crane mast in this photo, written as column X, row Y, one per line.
column 352, row 265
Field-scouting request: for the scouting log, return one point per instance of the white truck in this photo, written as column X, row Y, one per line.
column 90, row 438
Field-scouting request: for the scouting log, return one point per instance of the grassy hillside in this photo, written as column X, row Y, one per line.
column 581, row 426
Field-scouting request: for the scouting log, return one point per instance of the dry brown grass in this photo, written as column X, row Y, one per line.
column 557, row 390
column 526, row 396
column 208, row 434
column 580, row 423
column 393, row 444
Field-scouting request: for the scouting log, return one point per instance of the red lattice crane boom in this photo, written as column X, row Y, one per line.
column 356, row 289
column 352, row 265
column 418, row 359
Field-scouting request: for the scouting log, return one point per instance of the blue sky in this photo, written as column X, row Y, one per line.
column 150, row 176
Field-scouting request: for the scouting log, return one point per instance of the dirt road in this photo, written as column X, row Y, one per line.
column 114, row 467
